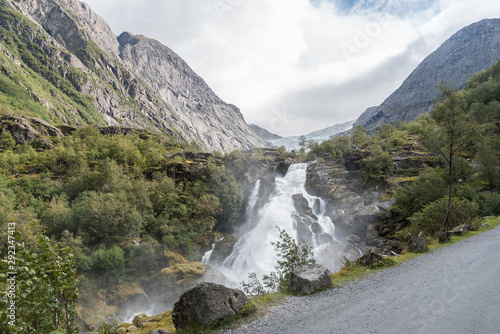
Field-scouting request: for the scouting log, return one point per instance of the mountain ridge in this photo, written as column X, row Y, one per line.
column 83, row 52
column 473, row 48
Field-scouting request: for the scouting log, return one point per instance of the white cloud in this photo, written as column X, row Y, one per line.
column 293, row 67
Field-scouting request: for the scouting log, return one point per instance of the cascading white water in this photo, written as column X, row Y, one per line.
column 254, row 251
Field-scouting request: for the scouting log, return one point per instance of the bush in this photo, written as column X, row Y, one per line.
column 46, row 290
column 144, row 256
column 378, row 166
column 427, row 188
column 490, row 206
column 430, row 219
column 112, row 259
column 83, row 262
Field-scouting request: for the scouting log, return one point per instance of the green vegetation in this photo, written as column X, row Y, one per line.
column 40, row 78
column 119, row 202
column 290, row 254
column 136, row 206
column 455, row 127
column 45, row 291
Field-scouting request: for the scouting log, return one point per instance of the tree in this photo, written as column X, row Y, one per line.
column 303, row 142
column 488, row 163
column 44, row 290
column 7, row 142
column 359, row 136
column 291, row 254
column 454, row 129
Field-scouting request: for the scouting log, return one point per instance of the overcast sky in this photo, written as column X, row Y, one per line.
column 295, row 66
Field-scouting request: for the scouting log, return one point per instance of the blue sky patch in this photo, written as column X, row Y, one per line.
column 394, row 7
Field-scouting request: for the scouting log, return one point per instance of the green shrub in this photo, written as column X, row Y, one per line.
column 6, row 141
column 378, row 166
column 46, row 290
column 112, row 259
column 430, row 219
column 83, row 262
column 144, row 256
column 427, row 188
column 490, row 205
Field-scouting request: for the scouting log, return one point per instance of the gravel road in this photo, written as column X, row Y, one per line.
column 453, row 290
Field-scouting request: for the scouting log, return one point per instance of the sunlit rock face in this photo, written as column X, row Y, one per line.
column 133, row 81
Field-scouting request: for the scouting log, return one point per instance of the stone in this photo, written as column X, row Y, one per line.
column 26, row 129
column 309, row 278
column 301, row 204
column 443, row 236
column 159, row 331
column 137, row 322
column 369, row 258
column 459, row 230
column 417, row 244
column 207, row 303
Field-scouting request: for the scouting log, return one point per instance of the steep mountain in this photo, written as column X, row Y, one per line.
column 74, row 70
column 470, row 50
column 264, row 134
column 319, row 136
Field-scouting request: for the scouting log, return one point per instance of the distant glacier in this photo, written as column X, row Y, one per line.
column 292, row 143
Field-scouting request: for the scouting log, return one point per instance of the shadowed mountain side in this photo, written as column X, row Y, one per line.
column 472, row 49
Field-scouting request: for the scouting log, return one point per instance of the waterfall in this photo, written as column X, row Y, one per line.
column 254, row 252
column 207, row 255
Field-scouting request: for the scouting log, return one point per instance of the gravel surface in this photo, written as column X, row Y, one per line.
column 455, row 289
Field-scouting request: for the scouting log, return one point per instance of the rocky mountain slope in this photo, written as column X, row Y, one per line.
column 472, row 49
column 263, row 133
column 76, row 71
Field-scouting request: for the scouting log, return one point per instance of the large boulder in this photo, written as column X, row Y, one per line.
column 369, row 258
column 205, row 304
column 417, row 244
column 309, row 278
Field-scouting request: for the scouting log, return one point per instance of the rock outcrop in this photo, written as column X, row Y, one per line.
column 309, row 278
column 28, row 129
column 417, row 244
column 472, row 49
column 205, row 304
column 369, row 258
column 264, row 134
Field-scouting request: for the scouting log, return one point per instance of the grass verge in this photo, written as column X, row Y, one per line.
column 351, row 271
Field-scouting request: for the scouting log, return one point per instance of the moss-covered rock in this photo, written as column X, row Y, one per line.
column 180, row 272
column 131, row 293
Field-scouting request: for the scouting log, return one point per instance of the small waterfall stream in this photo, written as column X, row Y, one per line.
column 254, row 252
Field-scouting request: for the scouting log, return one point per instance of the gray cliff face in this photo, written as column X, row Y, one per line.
column 472, row 49
column 216, row 123
column 149, row 88
column 263, row 133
